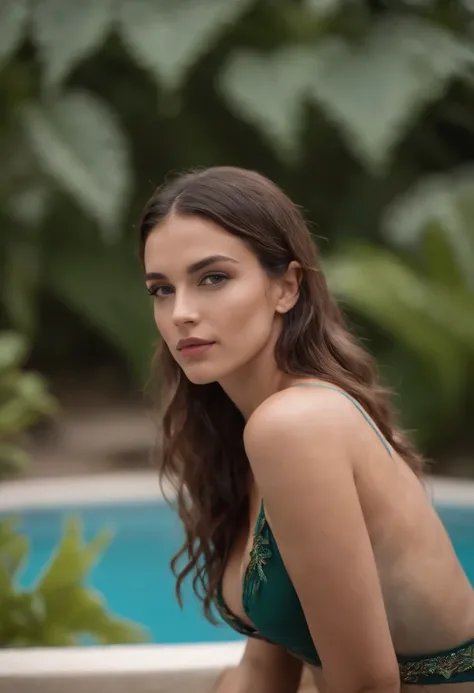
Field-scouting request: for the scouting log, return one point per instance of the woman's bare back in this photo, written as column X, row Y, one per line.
column 428, row 598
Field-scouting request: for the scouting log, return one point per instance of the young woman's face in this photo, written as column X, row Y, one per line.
column 208, row 285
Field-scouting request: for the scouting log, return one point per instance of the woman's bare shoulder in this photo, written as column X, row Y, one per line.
column 297, row 411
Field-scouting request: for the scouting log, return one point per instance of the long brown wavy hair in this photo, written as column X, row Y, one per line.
column 202, row 451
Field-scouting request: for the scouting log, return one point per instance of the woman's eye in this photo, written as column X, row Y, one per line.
column 163, row 290
column 160, row 291
column 213, row 279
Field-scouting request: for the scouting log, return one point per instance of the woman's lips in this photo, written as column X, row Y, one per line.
column 196, row 349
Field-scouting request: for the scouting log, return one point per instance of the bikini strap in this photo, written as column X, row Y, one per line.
column 357, row 405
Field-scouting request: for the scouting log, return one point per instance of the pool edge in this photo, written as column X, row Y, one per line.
column 157, row 668
column 143, row 486
column 117, row 659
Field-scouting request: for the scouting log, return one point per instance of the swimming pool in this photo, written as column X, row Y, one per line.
column 134, row 574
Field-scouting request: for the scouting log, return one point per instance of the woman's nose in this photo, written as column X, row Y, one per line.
column 184, row 310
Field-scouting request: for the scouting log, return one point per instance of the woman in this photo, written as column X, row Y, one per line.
column 305, row 519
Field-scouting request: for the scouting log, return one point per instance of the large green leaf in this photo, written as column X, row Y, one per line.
column 429, row 319
column 72, row 560
column 70, row 607
column 270, row 91
column 103, row 284
column 80, row 610
column 168, row 37
column 375, row 89
column 324, row 8
column 67, row 32
column 13, row 16
column 442, row 203
column 79, row 142
column 61, row 609
column 13, row 548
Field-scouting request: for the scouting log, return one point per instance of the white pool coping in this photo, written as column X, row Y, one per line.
column 186, row 662
column 96, row 489
column 117, row 659
column 133, row 487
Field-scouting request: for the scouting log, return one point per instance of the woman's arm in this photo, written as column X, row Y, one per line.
column 264, row 668
column 302, row 444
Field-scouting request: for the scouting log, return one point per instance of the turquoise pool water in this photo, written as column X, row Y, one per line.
column 134, row 574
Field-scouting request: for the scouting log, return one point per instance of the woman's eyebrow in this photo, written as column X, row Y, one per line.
column 195, row 266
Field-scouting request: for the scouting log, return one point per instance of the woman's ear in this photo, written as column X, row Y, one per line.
column 289, row 288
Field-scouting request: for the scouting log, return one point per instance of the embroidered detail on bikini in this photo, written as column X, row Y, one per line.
column 446, row 665
column 259, row 555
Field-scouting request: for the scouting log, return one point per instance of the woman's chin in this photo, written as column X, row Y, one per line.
column 206, row 373
column 200, row 376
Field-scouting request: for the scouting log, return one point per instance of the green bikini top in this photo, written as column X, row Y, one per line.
column 270, row 602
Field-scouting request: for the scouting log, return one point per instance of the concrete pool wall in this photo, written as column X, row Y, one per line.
column 142, row 668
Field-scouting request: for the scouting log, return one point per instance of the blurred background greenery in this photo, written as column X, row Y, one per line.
column 363, row 111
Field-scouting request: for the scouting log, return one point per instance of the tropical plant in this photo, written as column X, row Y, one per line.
column 348, row 104
column 424, row 293
column 59, row 610
column 24, row 399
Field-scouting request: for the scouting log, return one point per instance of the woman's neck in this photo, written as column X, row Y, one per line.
column 254, row 383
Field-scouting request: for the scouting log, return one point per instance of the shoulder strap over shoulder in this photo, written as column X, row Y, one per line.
column 357, row 405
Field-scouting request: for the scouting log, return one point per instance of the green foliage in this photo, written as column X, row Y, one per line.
column 13, row 18
column 360, row 110
column 24, row 399
column 372, row 89
column 271, row 90
column 78, row 143
column 425, row 297
column 111, row 295
column 67, row 33
column 59, row 610
column 167, row 39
